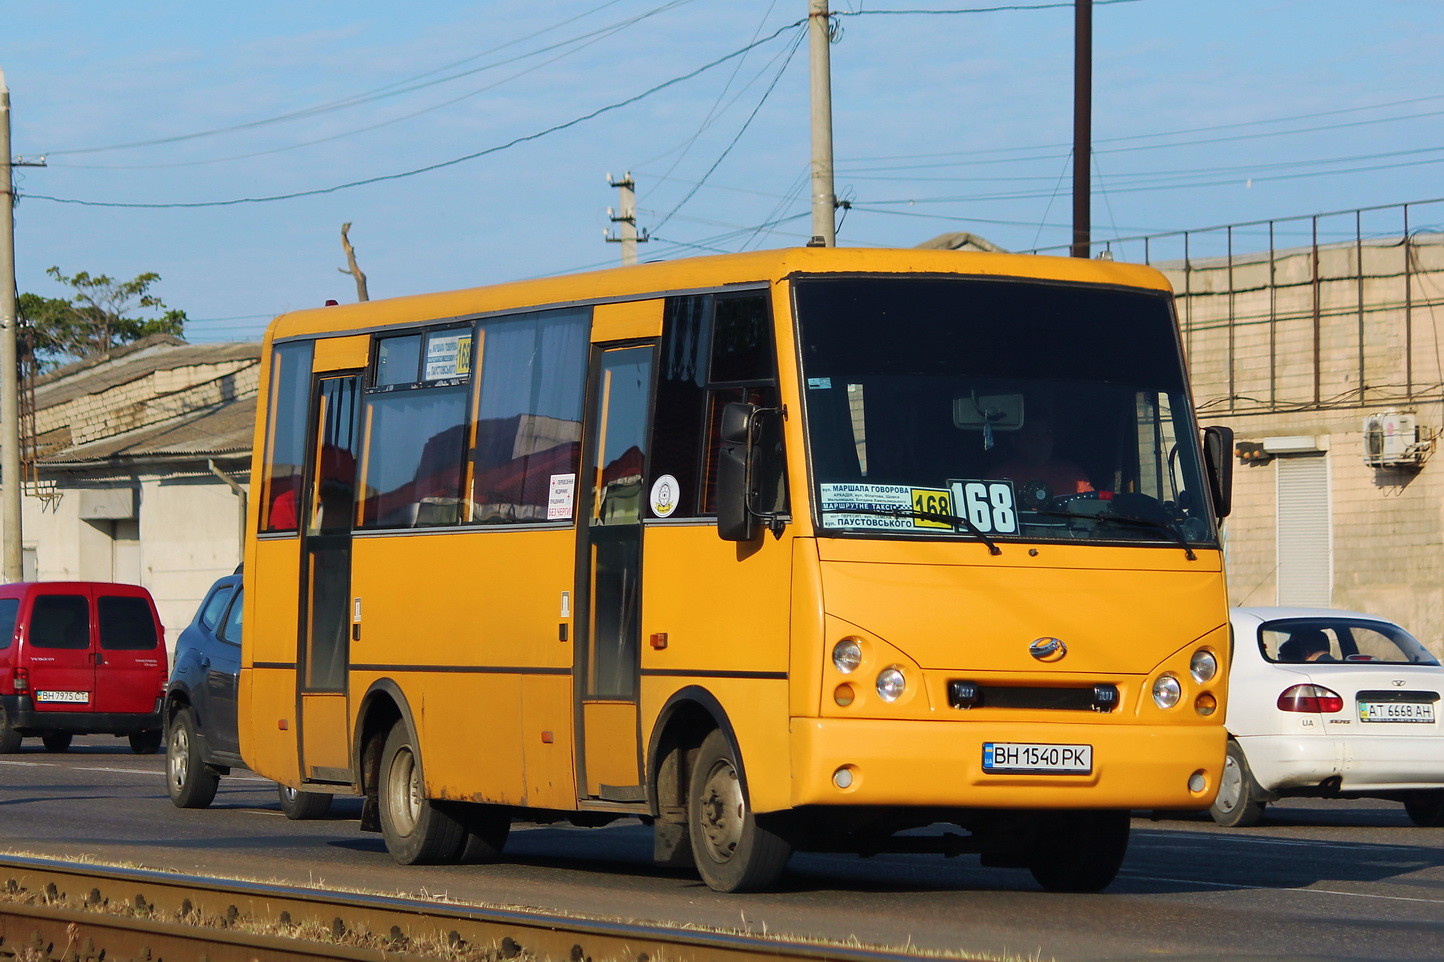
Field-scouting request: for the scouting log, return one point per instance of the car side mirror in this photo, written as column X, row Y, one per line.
column 735, row 519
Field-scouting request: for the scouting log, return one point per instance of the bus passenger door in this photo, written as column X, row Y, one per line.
column 609, row 565
column 325, row 749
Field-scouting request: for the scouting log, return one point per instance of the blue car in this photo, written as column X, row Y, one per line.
column 200, row 707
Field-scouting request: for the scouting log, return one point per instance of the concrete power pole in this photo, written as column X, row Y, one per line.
column 824, row 200
column 1082, row 127
column 626, row 215
column 11, row 484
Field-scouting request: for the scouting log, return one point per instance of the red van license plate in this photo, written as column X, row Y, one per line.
column 70, row 697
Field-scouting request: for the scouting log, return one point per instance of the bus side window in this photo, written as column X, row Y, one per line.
column 716, row 348
column 286, row 436
column 529, row 414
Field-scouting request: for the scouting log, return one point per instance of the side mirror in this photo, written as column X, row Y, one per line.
column 1218, row 462
column 735, row 520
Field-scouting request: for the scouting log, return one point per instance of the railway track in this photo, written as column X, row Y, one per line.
column 54, row 910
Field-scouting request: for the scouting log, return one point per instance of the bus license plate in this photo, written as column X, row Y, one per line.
column 1014, row 757
column 73, row 697
column 1396, row 711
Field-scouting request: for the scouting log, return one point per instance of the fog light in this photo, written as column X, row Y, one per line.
column 1166, row 691
column 890, row 684
column 847, row 655
column 844, row 695
column 1203, row 666
column 842, row 778
column 1205, row 704
column 1197, row 782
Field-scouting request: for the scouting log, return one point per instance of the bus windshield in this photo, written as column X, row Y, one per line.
column 1000, row 409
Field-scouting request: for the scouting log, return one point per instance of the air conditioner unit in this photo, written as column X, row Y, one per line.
column 1393, row 438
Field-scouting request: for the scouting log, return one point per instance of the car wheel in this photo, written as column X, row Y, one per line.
column 300, row 806
column 56, row 741
column 1238, row 804
column 10, row 739
column 188, row 781
column 733, row 848
column 1079, row 851
column 417, row 830
column 145, row 743
column 1425, row 807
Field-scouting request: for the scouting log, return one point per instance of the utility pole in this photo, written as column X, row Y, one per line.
column 824, row 200
column 627, row 218
column 1082, row 126
column 12, row 559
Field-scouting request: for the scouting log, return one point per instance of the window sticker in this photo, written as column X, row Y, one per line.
column 885, row 506
column 989, row 505
column 664, row 496
column 560, row 497
column 819, row 383
column 448, row 355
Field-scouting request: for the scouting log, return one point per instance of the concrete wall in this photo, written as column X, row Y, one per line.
column 1306, row 344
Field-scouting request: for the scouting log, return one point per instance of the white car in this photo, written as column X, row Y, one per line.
column 1331, row 704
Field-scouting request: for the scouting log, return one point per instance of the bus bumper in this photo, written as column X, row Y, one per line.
column 922, row 763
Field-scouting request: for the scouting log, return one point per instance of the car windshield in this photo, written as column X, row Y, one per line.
column 998, row 408
column 1313, row 640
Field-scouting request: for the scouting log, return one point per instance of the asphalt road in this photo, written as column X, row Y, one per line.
column 1318, row 880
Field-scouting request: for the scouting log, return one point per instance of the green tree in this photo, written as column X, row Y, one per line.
column 100, row 314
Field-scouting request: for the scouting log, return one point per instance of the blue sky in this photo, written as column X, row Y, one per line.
column 1205, row 113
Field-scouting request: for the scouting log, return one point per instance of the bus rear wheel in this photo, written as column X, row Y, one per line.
column 733, row 850
column 1079, row 851
column 417, row 830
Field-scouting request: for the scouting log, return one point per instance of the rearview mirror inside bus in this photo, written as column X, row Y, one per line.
column 973, row 411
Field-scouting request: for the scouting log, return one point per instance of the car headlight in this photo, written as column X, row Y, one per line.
column 1203, row 666
column 890, row 684
column 847, row 655
column 1166, row 690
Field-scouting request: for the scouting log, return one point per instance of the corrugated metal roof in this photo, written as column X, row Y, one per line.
column 159, row 352
column 225, row 430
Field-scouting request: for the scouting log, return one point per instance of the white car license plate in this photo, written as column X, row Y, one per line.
column 73, row 697
column 1396, row 711
column 1013, row 757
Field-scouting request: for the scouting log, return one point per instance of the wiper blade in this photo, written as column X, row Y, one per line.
column 951, row 519
column 1128, row 519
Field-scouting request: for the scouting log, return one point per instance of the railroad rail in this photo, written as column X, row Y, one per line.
column 53, row 910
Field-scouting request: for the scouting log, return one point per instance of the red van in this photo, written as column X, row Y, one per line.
column 80, row 658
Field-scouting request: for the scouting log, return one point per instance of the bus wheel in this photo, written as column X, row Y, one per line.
column 1238, row 804
column 299, row 806
column 1079, row 851
column 732, row 850
column 487, row 828
column 188, row 781
column 417, row 830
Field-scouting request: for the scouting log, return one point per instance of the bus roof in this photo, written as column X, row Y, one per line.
column 703, row 273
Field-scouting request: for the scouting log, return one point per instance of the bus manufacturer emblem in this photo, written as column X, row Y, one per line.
column 1048, row 649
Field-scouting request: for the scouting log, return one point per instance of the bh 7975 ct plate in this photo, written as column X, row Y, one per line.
column 1034, row 759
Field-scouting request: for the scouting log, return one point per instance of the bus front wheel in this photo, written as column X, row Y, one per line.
column 734, row 852
column 1079, row 851
column 417, row 830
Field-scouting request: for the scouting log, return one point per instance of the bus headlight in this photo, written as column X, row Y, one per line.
column 890, row 684
column 1166, row 690
column 847, row 655
column 1203, row 666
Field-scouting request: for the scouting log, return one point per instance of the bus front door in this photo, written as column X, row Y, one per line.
column 609, row 565
column 326, row 595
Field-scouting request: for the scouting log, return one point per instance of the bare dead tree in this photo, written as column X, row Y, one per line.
column 354, row 270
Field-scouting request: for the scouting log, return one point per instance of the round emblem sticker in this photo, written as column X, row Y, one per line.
column 664, row 496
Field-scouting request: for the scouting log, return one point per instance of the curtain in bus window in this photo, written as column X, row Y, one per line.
column 290, row 392
column 412, row 473
column 528, row 432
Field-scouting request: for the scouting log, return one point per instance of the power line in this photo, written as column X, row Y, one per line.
column 437, row 166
